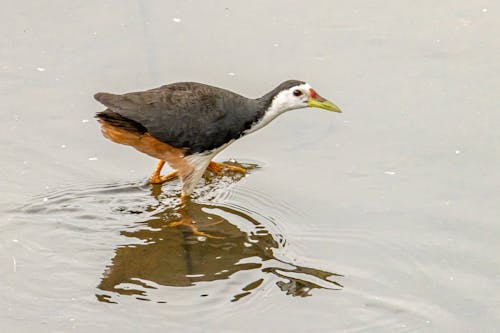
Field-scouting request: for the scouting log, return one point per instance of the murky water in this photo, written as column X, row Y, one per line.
column 383, row 218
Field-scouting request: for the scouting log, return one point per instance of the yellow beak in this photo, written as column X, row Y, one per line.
column 319, row 102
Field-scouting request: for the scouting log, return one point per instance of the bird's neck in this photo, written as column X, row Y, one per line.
column 265, row 110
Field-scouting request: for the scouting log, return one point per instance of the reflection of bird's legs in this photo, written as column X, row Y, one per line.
column 156, row 178
column 188, row 222
column 219, row 167
column 194, row 229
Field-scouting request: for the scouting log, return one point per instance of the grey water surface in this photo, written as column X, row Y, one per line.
column 385, row 218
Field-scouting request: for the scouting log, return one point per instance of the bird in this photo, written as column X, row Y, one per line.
column 186, row 124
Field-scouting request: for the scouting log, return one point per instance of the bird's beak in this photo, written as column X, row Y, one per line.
column 316, row 101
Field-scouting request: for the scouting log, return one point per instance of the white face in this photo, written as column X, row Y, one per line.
column 294, row 98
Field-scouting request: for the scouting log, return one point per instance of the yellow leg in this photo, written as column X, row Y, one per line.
column 185, row 199
column 156, row 178
column 219, row 167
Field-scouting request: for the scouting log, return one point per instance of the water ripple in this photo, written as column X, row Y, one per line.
column 223, row 246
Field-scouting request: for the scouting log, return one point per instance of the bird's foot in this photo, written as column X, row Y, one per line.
column 156, row 178
column 218, row 168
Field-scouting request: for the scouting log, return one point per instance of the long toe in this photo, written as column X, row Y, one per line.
column 218, row 168
column 235, row 168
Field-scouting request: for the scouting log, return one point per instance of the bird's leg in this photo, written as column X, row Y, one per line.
column 156, row 178
column 185, row 198
column 219, row 167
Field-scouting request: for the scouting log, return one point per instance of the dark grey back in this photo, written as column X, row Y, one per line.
column 191, row 115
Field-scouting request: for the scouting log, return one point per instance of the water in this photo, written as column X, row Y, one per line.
column 382, row 218
column 169, row 244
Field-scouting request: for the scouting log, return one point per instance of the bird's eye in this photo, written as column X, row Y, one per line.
column 297, row 93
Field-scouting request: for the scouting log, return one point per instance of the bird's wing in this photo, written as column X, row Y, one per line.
column 184, row 115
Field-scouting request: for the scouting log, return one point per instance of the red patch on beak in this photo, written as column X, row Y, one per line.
column 313, row 94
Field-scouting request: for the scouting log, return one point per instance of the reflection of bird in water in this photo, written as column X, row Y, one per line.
column 224, row 251
column 203, row 245
column 187, row 124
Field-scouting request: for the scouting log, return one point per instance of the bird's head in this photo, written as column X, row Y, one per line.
column 293, row 94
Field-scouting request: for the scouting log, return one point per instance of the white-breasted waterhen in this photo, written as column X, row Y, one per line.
column 186, row 124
